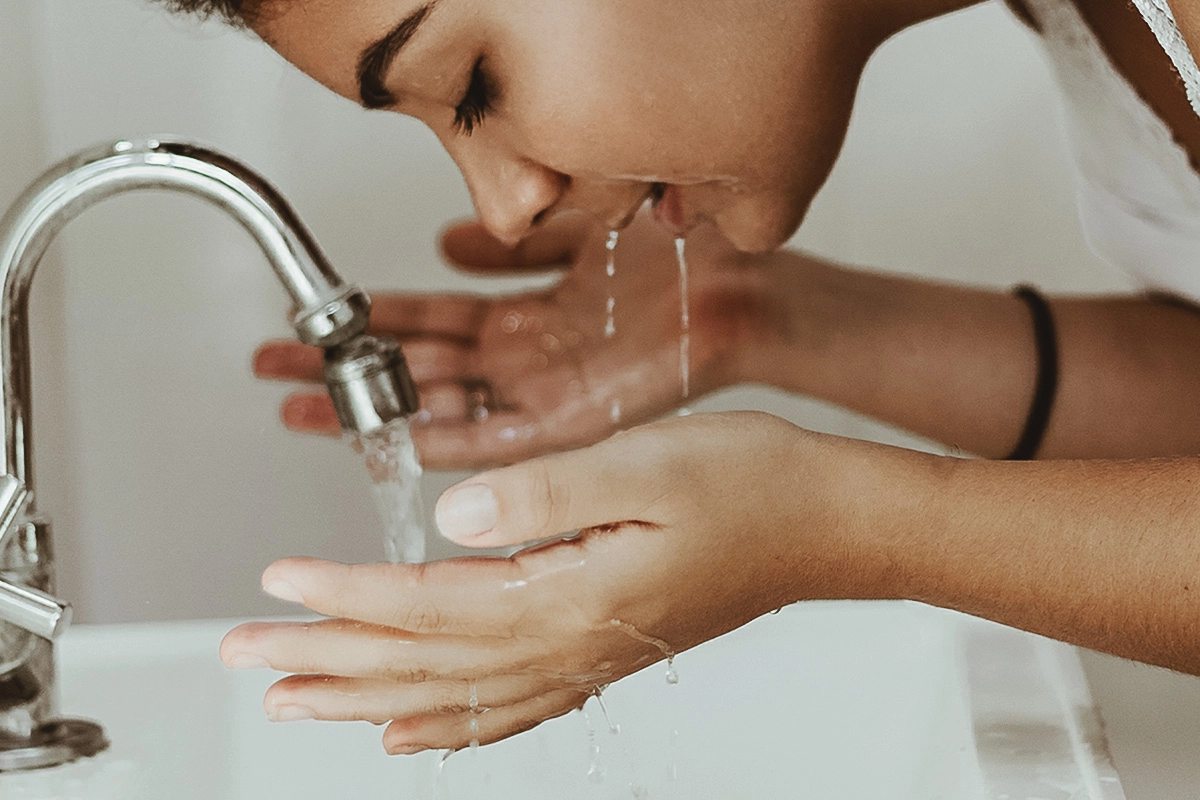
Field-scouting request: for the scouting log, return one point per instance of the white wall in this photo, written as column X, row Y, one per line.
column 160, row 458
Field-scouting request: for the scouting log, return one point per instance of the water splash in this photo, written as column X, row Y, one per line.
column 685, row 327
column 395, row 473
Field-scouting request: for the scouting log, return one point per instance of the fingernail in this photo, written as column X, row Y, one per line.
column 290, row 713
column 407, row 750
column 296, row 412
column 265, row 360
column 466, row 512
column 283, row 590
column 246, row 661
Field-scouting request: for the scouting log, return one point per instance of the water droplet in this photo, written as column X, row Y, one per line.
column 511, row 322
column 672, row 673
column 613, row 728
column 614, row 412
column 610, row 269
column 595, row 772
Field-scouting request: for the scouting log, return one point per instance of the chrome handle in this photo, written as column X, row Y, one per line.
column 33, row 610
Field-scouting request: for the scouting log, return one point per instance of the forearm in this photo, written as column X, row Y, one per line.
column 958, row 365
column 1103, row 554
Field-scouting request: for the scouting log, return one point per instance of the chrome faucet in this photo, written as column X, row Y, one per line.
column 367, row 379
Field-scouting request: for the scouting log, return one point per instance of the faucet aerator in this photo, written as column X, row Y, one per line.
column 369, row 384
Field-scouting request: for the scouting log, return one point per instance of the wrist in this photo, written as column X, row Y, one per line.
column 802, row 309
column 880, row 541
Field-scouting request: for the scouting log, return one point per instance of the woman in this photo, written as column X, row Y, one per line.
column 730, row 121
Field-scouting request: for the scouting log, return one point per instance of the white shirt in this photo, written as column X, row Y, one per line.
column 1139, row 196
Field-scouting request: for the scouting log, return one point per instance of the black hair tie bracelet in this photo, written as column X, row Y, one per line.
column 1046, row 339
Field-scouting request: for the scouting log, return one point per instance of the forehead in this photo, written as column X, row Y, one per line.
column 326, row 38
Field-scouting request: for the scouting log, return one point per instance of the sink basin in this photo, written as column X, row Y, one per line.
column 888, row 701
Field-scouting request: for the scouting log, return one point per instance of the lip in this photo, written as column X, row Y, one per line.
column 668, row 208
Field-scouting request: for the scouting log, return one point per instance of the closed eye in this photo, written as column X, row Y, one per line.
column 477, row 102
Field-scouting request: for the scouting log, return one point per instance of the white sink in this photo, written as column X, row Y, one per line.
column 880, row 701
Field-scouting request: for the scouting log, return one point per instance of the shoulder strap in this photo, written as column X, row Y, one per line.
column 1161, row 20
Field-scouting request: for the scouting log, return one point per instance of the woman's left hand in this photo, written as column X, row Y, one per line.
column 689, row 528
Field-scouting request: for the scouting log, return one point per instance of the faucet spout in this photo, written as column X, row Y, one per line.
column 327, row 312
column 366, row 376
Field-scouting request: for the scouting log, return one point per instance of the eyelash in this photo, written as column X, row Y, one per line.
column 476, row 104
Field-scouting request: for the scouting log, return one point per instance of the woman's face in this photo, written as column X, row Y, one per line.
column 729, row 111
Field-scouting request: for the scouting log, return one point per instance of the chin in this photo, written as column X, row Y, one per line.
column 756, row 230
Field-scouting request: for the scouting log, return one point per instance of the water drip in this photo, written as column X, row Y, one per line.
column 685, row 326
column 613, row 728
column 473, row 704
column 610, row 269
column 629, row 630
column 439, row 776
column 595, row 772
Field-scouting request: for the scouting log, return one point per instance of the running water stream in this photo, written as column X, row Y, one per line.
column 610, row 307
column 685, row 328
column 395, row 473
column 610, row 269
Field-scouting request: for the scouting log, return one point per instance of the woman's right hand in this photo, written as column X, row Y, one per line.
column 689, row 528
column 506, row 378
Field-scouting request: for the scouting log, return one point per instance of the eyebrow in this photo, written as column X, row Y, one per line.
column 376, row 60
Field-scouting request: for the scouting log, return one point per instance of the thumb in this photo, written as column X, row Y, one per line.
column 599, row 485
column 552, row 245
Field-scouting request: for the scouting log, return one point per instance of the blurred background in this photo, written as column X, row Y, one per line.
column 160, row 459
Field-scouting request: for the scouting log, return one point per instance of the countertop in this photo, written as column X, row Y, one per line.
column 1152, row 717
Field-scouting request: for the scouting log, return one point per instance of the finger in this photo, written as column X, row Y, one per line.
column 553, row 245
column 454, row 732
column 456, row 597
column 429, row 359
column 356, row 650
column 289, row 360
column 452, row 316
column 616, row 481
column 336, row 698
column 310, row 412
column 448, row 406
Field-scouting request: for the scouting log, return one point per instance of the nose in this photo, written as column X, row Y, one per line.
column 513, row 194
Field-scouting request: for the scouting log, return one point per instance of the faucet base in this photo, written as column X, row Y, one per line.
column 56, row 742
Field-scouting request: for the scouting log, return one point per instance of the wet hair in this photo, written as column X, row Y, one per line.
column 238, row 13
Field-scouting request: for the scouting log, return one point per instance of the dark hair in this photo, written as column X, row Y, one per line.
column 238, row 13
